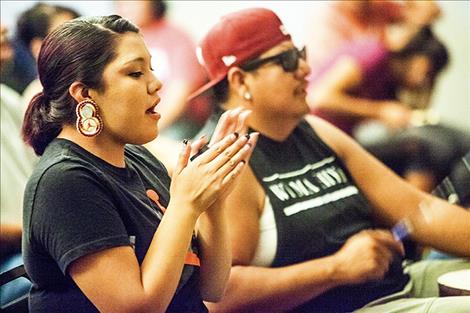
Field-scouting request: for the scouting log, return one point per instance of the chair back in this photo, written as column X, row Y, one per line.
column 20, row 304
column 455, row 188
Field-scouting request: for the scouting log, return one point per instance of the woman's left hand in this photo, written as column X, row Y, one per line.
column 231, row 121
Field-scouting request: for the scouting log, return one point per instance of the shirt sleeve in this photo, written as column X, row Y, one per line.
column 369, row 53
column 74, row 214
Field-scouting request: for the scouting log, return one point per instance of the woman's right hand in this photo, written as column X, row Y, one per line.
column 198, row 184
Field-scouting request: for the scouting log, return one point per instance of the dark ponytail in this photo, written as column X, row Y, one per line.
column 78, row 50
column 43, row 121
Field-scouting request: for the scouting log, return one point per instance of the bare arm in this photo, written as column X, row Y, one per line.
column 124, row 286
column 212, row 227
column 215, row 253
column 436, row 222
column 330, row 93
column 261, row 289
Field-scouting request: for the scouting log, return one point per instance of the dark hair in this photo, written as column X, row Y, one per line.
column 78, row 50
column 426, row 43
column 36, row 21
column 158, row 8
column 220, row 92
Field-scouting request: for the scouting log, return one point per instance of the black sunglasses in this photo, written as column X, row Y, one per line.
column 288, row 59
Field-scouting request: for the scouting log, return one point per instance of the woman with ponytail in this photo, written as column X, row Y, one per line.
column 103, row 228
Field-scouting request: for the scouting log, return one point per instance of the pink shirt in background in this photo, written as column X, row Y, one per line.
column 377, row 82
column 174, row 58
column 329, row 25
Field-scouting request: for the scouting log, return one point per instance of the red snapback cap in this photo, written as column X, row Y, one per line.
column 238, row 37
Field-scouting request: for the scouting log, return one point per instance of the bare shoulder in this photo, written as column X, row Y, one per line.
column 340, row 142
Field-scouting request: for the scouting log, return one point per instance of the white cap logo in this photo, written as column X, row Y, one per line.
column 283, row 30
column 229, row 59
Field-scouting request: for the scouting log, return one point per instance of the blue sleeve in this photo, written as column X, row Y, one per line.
column 74, row 214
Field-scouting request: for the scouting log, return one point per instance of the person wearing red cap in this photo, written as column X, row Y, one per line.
column 311, row 219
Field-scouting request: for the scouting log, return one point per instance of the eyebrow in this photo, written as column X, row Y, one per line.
column 138, row 59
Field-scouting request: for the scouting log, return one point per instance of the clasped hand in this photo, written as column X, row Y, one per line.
column 199, row 183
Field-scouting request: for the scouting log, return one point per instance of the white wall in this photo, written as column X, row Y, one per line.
column 452, row 95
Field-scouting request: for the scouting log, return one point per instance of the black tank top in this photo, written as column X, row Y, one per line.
column 317, row 207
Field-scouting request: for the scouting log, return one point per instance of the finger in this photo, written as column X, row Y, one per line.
column 243, row 149
column 218, row 148
column 242, row 125
column 386, row 238
column 221, row 125
column 228, row 157
column 233, row 174
column 197, row 145
column 253, row 140
column 385, row 256
column 183, row 157
column 226, row 125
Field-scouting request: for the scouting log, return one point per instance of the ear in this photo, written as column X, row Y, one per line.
column 237, row 79
column 79, row 91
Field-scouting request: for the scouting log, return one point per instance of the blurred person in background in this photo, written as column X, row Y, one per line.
column 16, row 165
column 332, row 23
column 33, row 25
column 363, row 83
column 175, row 64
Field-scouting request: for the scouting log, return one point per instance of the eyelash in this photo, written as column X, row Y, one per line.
column 138, row 74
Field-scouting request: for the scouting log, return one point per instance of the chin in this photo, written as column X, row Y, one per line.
column 305, row 109
column 146, row 138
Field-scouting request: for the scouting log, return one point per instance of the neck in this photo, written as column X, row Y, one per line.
column 276, row 129
column 99, row 146
column 274, row 126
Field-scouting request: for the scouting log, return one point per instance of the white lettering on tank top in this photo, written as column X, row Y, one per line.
column 309, row 181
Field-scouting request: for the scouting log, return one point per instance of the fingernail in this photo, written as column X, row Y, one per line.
column 201, row 151
column 242, row 161
column 185, row 141
column 236, row 134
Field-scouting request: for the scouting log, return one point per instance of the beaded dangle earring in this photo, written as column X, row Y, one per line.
column 89, row 122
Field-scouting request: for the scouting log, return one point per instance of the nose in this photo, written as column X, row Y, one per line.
column 304, row 69
column 154, row 85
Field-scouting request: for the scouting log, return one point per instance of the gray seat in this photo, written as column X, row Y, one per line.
column 20, row 304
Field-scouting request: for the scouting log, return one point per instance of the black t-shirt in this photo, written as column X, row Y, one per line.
column 76, row 204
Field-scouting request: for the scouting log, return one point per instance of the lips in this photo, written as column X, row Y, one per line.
column 302, row 89
column 152, row 112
